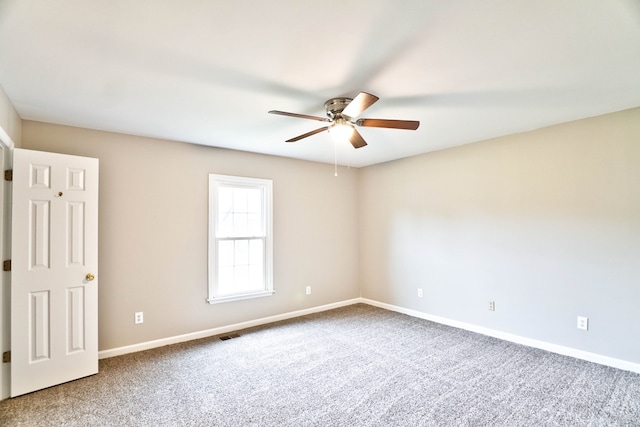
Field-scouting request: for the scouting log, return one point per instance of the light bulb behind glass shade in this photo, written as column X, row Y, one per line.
column 341, row 131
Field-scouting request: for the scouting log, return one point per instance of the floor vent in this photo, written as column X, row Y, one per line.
column 228, row 337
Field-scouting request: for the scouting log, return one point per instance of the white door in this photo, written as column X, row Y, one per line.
column 54, row 269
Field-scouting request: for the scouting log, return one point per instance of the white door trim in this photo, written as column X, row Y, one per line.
column 6, row 157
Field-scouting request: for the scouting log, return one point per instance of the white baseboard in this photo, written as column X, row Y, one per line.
column 104, row 354
column 554, row 348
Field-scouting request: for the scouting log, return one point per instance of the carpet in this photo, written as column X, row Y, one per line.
column 353, row 366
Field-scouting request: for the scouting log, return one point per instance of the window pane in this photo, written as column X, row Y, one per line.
column 239, row 200
column 225, row 210
column 241, row 254
column 241, row 278
column 225, row 199
column 240, row 224
column 240, row 266
column 254, row 225
column 225, row 280
column 256, row 276
column 225, row 225
column 225, row 253
column 240, row 212
column 254, row 202
column 256, row 252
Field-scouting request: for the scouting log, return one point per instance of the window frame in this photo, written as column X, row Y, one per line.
column 266, row 188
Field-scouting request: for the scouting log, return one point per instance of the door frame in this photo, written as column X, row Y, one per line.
column 6, row 160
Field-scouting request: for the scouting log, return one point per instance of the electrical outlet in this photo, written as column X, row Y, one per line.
column 492, row 306
column 138, row 317
column 419, row 292
column 308, row 290
column 583, row 323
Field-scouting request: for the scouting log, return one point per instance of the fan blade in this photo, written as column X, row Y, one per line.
column 356, row 139
column 304, row 135
column 300, row 116
column 360, row 103
column 392, row 124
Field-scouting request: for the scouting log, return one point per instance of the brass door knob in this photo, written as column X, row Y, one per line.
column 90, row 277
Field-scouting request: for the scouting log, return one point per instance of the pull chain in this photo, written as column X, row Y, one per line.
column 335, row 158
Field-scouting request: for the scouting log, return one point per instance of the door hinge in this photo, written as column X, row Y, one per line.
column 8, row 175
column 6, row 357
column 6, row 265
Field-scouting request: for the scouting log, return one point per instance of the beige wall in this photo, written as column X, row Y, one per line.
column 153, row 232
column 545, row 223
column 10, row 122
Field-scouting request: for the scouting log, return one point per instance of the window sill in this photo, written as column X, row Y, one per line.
column 219, row 300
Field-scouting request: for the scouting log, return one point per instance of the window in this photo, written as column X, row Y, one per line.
column 240, row 241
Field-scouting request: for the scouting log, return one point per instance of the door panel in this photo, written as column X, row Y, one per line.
column 39, row 326
column 75, row 319
column 54, row 304
column 39, row 234
column 75, row 242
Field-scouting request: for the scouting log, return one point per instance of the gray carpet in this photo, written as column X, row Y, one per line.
column 354, row 366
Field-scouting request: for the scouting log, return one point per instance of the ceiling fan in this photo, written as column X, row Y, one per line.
column 341, row 119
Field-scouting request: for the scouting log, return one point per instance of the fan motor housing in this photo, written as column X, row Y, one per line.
column 335, row 106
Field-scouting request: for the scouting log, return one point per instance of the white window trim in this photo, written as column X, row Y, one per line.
column 267, row 188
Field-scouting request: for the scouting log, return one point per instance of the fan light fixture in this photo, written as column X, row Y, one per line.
column 341, row 130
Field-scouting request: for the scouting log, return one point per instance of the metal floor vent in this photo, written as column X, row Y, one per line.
column 228, row 337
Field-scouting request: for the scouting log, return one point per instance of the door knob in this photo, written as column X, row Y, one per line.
column 90, row 277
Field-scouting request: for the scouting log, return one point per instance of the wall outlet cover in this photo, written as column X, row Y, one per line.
column 583, row 323
column 138, row 317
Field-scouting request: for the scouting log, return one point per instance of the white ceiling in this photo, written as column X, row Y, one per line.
column 207, row 71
